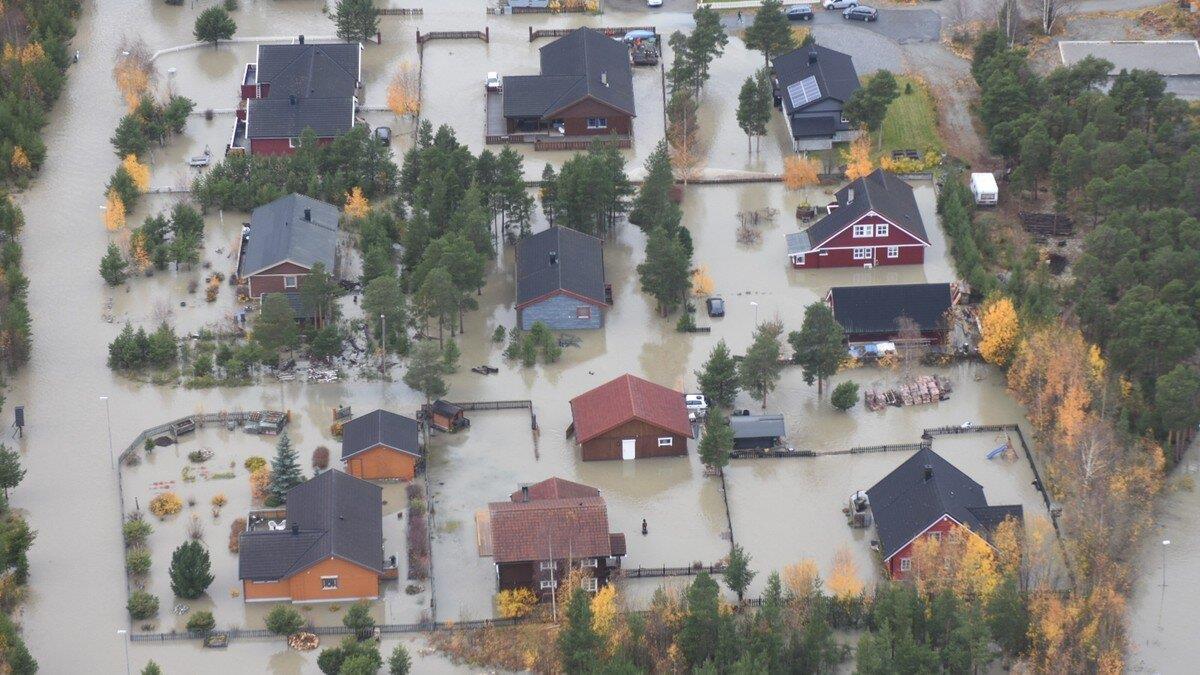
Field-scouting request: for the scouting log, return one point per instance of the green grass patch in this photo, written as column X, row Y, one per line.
column 911, row 121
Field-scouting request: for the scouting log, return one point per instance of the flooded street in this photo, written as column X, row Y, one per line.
column 781, row 509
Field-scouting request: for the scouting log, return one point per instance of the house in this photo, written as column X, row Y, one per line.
column 874, row 221
column 812, row 85
column 293, row 87
column 560, row 280
column 1177, row 61
column 585, row 89
column 444, row 416
column 927, row 496
column 630, row 418
column 547, row 529
column 381, row 445
column 872, row 313
column 327, row 545
column 757, row 432
column 285, row 240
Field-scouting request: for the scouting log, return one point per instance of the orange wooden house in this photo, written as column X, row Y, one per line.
column 327, row 545
column 381, row 445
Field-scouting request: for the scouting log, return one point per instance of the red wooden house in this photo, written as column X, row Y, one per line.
column 927, row 496
column 874, row 221
column 630, row 418
column 286, row 239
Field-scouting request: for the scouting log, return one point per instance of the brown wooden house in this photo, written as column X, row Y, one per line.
column 630, row 418
column 546, row 530
column 381, row 445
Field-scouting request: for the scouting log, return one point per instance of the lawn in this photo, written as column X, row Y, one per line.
column 911, row 121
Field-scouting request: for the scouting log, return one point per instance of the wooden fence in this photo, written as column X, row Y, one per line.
column 580, row 142
column 664, row 571
column 610, row 31
column 484, row 35
column 401, row 11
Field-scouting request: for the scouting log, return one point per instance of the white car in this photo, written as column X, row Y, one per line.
column 654, row 3
column 839, row 4
column 493, row 81
column 697, row 406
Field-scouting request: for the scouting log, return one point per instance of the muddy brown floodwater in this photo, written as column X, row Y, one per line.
column 782, row 510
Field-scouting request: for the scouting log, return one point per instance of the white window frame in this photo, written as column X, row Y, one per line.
column 597, row 122
column 591, row 584
column 325, row 583
column 293, row 142
column 864, row 231
column 799, row 258
column 905, row 564
column 666, row 441
column 893, row 252
column 547, row 585
column 882, row 230
column 590, row 562
column 583, row 313
column 862, row 253
column 547, row 565
column 290, row 281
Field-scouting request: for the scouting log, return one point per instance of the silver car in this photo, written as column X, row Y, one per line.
column 839, row 4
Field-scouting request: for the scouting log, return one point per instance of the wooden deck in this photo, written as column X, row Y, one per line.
column 483, row 532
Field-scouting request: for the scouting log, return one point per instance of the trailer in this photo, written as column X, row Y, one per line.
column 984, row 189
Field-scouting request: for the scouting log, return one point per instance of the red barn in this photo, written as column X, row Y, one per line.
column 295, row 87
column 630, row 418
column 927, row 496
column 875, row 221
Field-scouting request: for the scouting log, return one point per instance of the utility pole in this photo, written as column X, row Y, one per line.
column 1163, row 596
column 383, row 339
column 553, row 583
column 108, row 419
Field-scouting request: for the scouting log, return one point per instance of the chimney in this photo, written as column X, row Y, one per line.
column 308, row 215
column 524, row 493
column 604, row 77
column 553, row 258
column 292, row 99
column 928, row 471
column 295, row 528
column 301, row 39
column 812, row 57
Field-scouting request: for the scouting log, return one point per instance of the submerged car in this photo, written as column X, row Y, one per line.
column 383, row 135
column 715, row 306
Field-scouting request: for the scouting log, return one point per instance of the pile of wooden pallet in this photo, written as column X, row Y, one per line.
column 1047, row 224
column 916, row 391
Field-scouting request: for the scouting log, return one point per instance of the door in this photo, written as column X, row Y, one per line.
column 629, row 448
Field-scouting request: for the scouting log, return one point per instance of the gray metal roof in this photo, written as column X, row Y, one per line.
column 758, row 426
column 282, row 118
column 312, row 86
column 875, row 309
column 339, row 516
column 584, row 63
column 1165, row 57
column 577, row 268
column 906, row 502
column 380, row 427
column 279, row 232
column 879, row 191
column 832, row 76
column 797, row 242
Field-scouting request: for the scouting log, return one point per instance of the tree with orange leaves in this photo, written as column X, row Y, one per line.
column 1001, row 330
column 357, row 205
column 800, row 171
column 1081, row 632
column 858, row 158
column 140, row 173
column 844, row 581
column 133, row 72
column 19, row 161
column 404, row 92
column 114, row 212
column 702, row 283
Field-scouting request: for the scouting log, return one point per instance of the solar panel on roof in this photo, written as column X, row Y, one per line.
column 804, row 92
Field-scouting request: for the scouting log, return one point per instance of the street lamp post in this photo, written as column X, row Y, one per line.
column 108, row 420
column 1163, row 595
column 755, row 306
column 125, row 636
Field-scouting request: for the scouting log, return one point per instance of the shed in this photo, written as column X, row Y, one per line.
column 444, row 416
column 630, row 418
column 757, row 432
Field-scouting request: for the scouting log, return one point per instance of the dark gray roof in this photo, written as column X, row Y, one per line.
column 339, row 516
column 584, row 63
column 813, row 126
column 833, row 73
column 380, row 428
column 578, row 268
column 905, row 503
column 758, row 426
column 875, row 309
column 311, row 86
column 879, row 191
column 279, row 232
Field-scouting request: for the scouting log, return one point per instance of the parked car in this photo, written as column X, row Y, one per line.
column 654, row 3
column 383, row 135
column 839, row 4
column 493, row 81
column 697, row 406
column 800, row 13
column 716, row 306
column 861, row 13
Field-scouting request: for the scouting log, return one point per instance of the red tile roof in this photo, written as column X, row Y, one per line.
column 625, row 399
column 546, row 529
column 554, row 488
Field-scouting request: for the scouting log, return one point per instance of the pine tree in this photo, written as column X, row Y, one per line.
column 845, row 395
column 698, row 636
column 450, row 356
column 818, row 345
column 11, row 472
column 213, row 25
column 759, row 372
column 113, row 267
column 426, row 369
column 770, row 33
column 746, row 113
column 717, row 440
column 653, row 206
column 665, row 274
column 275, row 327
column 356, row 20
column 399, row 663
column 738, row 574
column 718, row 380
column 706, row 42
column 190, row 570
column 358, row 619
column 285, row 469
column 578, row 644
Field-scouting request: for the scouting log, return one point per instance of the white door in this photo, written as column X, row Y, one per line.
column 629, row 448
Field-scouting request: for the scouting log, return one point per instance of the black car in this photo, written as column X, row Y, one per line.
column 800, row 13
column 861, row 13
column 716, row 307
column 383, row 135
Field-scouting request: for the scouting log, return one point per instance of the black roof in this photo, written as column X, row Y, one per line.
column 280, row 231
column 580, row 64
column 833, row 73
column 875, row 309
column 380, row 427
column 881, row 192
column 338, row 515
column 311, row 86
column 905, row 503
column 576, row 266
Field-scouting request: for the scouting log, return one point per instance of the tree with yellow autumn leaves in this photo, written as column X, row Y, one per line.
column 404, row 91
column 357, row 205
column 858, row 157
column 1001, row 330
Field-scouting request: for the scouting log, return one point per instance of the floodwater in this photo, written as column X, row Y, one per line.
column 70, row 491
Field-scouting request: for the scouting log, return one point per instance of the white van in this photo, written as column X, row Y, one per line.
column 984, row 188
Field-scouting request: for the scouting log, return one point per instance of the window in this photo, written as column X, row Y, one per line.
column 862, row 254
column 329, row 583
column 289, row 281
column 591, row 584
column 905, row 564
column 845, row 120
column 798, row 259
column 861, row 231
column 547, row 585
column 893, row 251
column 293, row 142
column 547, row 565
column 881, row 230
column 584, row 312
column 590, row 562
column 597, row 122
column 936, row 536
column 666, row 442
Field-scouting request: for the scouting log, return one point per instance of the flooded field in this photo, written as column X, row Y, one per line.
column 70, row 491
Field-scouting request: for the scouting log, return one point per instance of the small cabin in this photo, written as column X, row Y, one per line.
column 757, row 432
column 444, row 416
